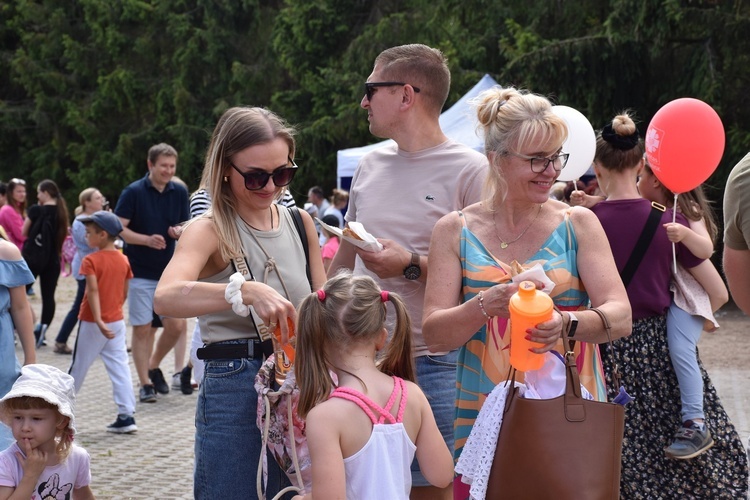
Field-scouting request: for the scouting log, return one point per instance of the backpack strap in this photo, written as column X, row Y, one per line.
column 303, row 238
column 644, row 241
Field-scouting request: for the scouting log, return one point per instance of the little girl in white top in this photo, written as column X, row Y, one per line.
column 43, row 462
column 363, row 431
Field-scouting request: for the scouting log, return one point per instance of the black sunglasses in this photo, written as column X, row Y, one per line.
column 371, row 86
column 257, row 178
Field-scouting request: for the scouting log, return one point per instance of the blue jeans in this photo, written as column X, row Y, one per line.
column 436, row 376
column 683, row 332
column 227, row 439
column 72, row 317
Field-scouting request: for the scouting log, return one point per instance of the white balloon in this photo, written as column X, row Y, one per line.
column 581, row 143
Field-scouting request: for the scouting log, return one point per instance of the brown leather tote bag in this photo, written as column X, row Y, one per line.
column 562, row 448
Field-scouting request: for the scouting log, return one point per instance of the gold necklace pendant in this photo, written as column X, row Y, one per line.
column 504, row 244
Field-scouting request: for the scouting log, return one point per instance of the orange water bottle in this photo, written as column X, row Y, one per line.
column 528, row 308
column 284, row 353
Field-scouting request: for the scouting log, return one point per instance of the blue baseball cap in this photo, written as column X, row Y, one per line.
column 105, row 220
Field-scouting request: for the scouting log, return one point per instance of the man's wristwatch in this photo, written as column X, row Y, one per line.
column 573, row 324
column 413, row 271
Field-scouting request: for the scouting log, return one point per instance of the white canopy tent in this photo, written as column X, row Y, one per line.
column 458, row 122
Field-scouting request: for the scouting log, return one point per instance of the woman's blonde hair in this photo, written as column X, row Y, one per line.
column 238, row 128
column 348, row 310
column 339, row 196
column 83, row 197
column 64, row 438
column 513, row 121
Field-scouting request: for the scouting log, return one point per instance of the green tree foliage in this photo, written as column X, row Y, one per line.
column 86, row 86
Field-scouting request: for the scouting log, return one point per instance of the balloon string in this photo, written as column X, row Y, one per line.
column 674, row 220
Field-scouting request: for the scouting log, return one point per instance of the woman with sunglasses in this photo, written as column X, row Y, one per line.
column 475, row 252
column 13, row 212
column 248, row 163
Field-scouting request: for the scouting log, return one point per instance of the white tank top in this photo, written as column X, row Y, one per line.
column 382, row 468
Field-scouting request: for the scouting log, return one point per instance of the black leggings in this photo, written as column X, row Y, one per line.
column 48, row 277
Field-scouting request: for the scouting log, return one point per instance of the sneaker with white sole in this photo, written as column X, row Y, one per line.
column 125, row 424
column 690, row 440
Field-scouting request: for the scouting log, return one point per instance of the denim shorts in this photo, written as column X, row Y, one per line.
column 436, row 376
column 141, row 301
column 227, row 438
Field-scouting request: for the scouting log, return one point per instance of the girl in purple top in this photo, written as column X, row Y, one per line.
column 643, row 357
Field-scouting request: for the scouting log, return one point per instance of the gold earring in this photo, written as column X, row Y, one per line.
column 226, row 178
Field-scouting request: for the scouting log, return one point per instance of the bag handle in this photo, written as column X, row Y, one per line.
column 264, row 447
column 568, row 343
column 574, row 409
column 616, row 377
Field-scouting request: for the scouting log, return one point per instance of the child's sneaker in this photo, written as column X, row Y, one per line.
column 690, row 440
column 125, row 424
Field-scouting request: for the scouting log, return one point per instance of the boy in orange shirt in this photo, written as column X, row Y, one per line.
column 102, row 328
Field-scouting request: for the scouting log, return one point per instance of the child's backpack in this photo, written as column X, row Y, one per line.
column 39, row 245
column 67, row 254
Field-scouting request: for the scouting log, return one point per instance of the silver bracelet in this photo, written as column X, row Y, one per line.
column 480, row 297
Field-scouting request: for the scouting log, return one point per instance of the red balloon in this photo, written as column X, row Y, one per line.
column 684, row 144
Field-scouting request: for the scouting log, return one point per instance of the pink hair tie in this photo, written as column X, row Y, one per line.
column 321, row 295
column 384, row 296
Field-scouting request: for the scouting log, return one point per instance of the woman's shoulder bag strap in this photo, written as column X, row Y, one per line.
column 644, row 240
column 303, row 238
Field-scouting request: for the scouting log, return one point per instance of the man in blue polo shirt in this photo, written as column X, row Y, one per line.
column 151, row 210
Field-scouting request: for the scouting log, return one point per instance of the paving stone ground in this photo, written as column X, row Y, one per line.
column 157, row 461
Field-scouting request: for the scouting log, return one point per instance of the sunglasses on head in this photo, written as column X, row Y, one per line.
column 371, row 86
column 18, row 181
column 257, row 178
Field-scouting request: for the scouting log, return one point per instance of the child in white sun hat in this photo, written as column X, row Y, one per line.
column 43, row 462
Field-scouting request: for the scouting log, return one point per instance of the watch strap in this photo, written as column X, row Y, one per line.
column 572, row 324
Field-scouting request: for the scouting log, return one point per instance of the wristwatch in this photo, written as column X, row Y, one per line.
column 573, row 324
column 413, row 271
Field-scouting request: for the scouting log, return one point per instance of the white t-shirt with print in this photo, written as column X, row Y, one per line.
column 57, row 481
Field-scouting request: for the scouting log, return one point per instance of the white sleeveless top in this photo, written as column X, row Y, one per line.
column 382, row 468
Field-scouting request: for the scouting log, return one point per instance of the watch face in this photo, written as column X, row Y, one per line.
column 412, row 272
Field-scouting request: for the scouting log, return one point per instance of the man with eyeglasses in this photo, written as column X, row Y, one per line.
column 399, row 192
column 151, row 210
